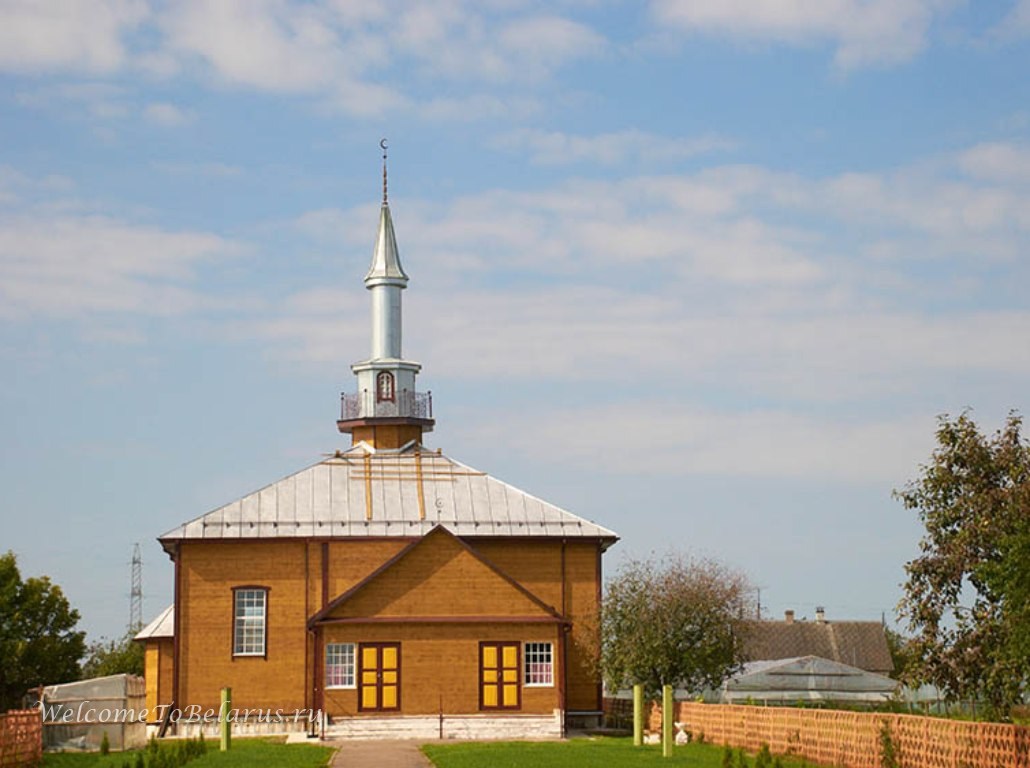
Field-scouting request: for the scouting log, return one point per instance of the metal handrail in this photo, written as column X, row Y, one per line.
column 406, row 403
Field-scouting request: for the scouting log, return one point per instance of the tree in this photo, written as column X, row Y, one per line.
column 113, row 657
column 900, row 648
column 672, row 622
column 966, row 596
column 38, row 644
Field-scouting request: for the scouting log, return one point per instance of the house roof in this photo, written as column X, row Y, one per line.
column 439, row 563
column 162, row 626
column 362, row 492
column 808, row 677
column 861, row 644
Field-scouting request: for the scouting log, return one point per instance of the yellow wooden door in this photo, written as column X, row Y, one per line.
column 379, row 676
column 499, row 686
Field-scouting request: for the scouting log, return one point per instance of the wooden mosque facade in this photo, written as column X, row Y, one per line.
column 387, row 590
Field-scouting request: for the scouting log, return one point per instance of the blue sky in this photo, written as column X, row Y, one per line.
column 705, row 272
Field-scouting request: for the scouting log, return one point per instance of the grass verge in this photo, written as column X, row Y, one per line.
column 588, row 753
column 245, row 753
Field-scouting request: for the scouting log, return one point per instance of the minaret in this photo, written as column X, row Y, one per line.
column 386, row 412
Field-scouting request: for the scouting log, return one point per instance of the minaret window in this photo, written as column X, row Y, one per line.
column 384, row 386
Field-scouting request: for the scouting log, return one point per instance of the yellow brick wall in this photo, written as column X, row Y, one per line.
column 537, row 565
column 351, row 561
column 292, row 571
column 582, row 595
column 440, row 577
column 209, row 571
column 157, row 663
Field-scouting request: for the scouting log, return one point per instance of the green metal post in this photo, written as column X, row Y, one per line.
column 224, row 724
column 638, row 714
column 667, row 717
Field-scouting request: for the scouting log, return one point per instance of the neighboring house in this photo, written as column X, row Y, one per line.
column 861, row 644
column 387, row 586
column 809, row 679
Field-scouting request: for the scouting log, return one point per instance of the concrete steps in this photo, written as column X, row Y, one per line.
column 459, row 727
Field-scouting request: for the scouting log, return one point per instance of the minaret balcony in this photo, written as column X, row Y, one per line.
column 405, row 404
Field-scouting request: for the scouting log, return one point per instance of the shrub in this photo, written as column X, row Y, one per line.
column 727, row 757
column 888, row 752
column 741, row 759
column 105, row 745
column 764, row 757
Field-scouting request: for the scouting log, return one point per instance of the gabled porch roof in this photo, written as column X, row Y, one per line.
column 439, row 579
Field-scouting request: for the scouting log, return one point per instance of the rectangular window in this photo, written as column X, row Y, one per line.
column 539, row 664
column 339, row 665
column 251, row 604
column 499, row 676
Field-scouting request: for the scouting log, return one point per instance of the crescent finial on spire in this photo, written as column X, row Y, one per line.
column 382, row 146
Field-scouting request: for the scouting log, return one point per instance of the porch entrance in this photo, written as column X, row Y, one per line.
column 499, row 675
column 379, row 677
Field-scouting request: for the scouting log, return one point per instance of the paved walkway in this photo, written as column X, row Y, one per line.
column 378, row 754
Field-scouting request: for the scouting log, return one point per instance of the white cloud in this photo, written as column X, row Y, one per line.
column 80, row 36
column 166, row 114
column 633, row 146
column 190, row 168
column 1017, row 23
column 548, row 41
column 865, row 32
column 329, row 323
column 998, row 162
column 348, row 55
column 477, row 106
column 99, row 100
column 74, row 265
column 267, row 44
column 343, row 55
column 14, row 184
column 655, row 437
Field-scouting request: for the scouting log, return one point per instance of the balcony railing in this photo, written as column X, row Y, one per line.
column 407, row 404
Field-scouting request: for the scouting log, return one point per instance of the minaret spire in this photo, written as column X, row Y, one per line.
column 382, row 145
column 386, row 412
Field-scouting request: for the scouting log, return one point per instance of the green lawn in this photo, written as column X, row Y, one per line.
column 245, row 753
column 589, row 753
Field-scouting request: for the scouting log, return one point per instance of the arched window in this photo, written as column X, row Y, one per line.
column 384, row 386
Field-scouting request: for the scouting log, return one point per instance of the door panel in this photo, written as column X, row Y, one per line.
column 380, row 677
column 499, row 675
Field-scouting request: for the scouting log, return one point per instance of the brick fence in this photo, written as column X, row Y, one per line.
column 21, row 738
column 849, row 739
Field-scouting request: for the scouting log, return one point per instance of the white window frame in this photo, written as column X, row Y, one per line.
column 350, row 666
column 531, row 652
column 249, row 625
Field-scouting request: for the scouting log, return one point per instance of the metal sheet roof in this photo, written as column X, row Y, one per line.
column 806, row 678
column 364, row 493
column 162, row 626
